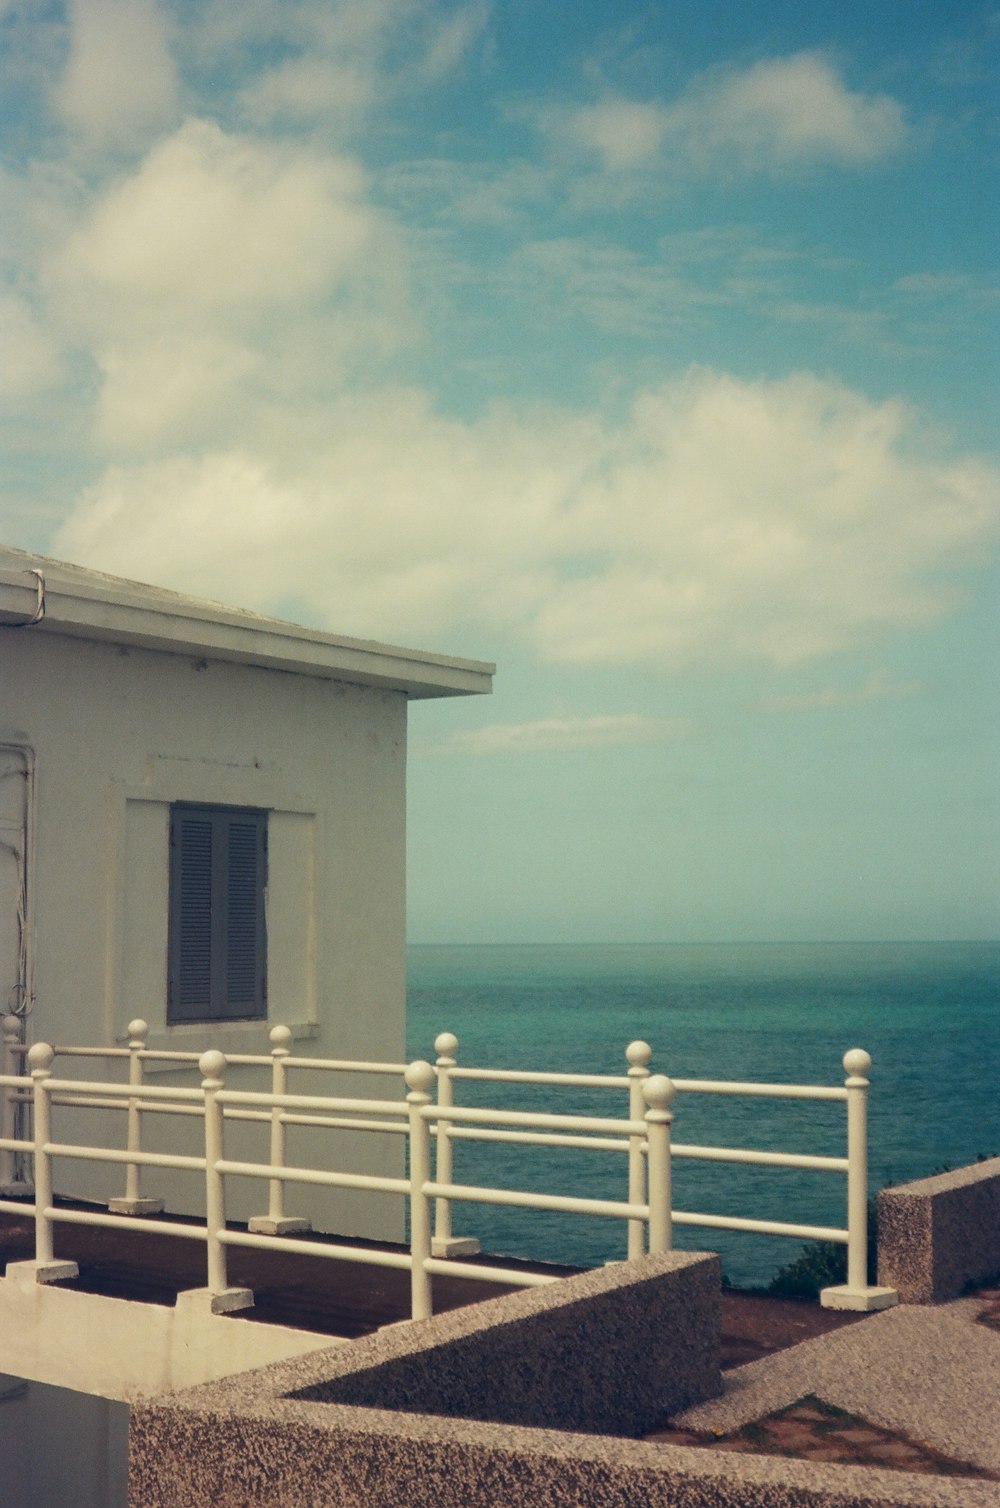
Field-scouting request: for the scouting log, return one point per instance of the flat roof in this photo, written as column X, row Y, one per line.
column 52, row 597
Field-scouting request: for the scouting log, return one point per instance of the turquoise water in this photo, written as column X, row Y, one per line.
column 929, row 1015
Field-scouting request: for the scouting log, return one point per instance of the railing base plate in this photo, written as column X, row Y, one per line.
column 42, row 1272
column 135, row 1206
column 225, row 1302
column 455, row 1246
column 263, row 1225
column 863, row 1300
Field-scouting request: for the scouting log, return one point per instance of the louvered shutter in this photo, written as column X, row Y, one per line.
column 244, row 940
column 217, row 941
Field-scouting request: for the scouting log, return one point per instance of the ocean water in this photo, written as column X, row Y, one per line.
column 928, row 1013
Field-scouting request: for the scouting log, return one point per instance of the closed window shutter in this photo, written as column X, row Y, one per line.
column 193, row 849
column 217, row 941
column 244, row 916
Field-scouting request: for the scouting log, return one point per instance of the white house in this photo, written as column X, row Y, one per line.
column 202, row 824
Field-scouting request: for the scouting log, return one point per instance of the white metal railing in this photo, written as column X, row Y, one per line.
column 452, row 1127
column 854, row 1093
column 448, row 1123
column 279, row 1062
column 214, row 1102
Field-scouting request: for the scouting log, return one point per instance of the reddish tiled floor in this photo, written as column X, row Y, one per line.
column 812, row 1430
column 348, row 1298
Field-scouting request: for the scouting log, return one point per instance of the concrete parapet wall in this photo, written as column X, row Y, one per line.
column 610, row 1350
column 938, row 1235
column 372, row 1423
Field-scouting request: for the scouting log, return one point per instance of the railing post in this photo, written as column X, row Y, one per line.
column 658, row 1093
column 638, row 1055
column 276, row 1222
column 419, row 1078
column 133, row 1202
column 47, row 1269
column 222, row 1298
column 444, row 1244
column 857, row 1293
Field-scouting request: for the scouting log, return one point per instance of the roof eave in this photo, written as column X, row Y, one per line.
column 218, row 633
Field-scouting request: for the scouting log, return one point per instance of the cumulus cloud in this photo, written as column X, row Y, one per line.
column 799, row 108
column 779, row 113
column 221, row 274
column 560, row 734
column 120, row 82
column 213, row 220
column 722, row 521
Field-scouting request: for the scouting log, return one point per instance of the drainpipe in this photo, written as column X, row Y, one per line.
column 18, row 841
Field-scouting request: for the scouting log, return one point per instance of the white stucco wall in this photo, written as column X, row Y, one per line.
column 117, row 735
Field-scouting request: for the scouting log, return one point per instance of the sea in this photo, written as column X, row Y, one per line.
column 928, row 1014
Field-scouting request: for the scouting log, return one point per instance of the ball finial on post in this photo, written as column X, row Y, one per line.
column 446, row 1044
column 419, row 1077
column 41, row 1056
column 280, row 1038
column 658, row 1091
column 638, row 1054
column 858, row 1063
column 212, row 1064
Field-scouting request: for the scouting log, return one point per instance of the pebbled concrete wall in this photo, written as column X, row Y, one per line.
column 937, row 1235
column 611, row 1350
column 584, row 1352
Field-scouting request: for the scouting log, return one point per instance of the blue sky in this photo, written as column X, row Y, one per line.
column 647, row 350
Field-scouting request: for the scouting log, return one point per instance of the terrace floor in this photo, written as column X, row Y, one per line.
column 350, row 1299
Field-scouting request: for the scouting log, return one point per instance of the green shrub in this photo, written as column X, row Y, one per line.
column 821, row 1264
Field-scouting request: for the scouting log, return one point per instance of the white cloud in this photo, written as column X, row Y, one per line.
column 950, row 286
column 120, row 82
column 624, row 133
column 799, row 109
column 231, row 508
column 339, row 61
column 724, row 521
column 309, row 89
column 221, row 276
column 31, row 360
column 613, row 287
column 879, row 687
column 779, row 113
column 172, row 385
column 453, row 37
column 561, row 734
column 212, row 220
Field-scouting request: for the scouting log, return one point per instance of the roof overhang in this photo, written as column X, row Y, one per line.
column 48, row 597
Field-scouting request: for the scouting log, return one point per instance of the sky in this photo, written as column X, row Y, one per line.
column 647, row 350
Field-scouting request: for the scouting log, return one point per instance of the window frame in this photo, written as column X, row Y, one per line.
column 217, row 923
